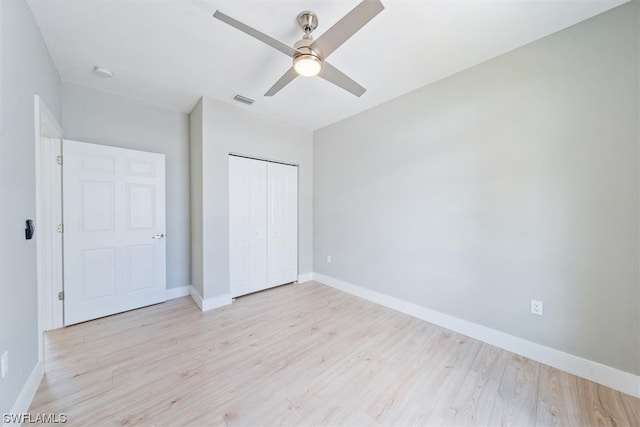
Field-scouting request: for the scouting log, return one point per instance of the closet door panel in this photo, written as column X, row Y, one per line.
column 238, row 220
column 257, row 229
column 247, row 225
column 274, row 223
column 282, row 224
column 290, row 224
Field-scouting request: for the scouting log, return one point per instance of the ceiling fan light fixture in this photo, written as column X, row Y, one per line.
column 307, row 65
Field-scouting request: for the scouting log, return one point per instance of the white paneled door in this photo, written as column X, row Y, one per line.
column 282, row 223
column 247, row 225
column 114, row 230
column 263, row 224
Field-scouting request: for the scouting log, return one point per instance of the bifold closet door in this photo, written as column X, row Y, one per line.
column 247, row 225
column 282, row 224
column 263, row 224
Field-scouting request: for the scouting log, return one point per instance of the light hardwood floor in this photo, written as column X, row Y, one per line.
column 304, row 355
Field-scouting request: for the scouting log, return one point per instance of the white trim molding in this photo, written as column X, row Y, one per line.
column 625, row 382
column 48, row 211
column 28, row 392
column 179, row 292
column 306, row 277
column 210, row 303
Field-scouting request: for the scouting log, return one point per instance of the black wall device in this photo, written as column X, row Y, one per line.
column 28, row 232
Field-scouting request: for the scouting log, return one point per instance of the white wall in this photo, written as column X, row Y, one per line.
column 102, row 118
column 514, row 180
column 230, row 129
column 27, row 70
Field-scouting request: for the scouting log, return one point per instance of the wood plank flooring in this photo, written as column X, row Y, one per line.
column 304, row 355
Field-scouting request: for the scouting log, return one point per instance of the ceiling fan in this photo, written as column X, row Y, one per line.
column 309, row 55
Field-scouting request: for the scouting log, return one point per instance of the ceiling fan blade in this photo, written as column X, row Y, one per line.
column 276, row 44
column 338, row 78
column 346, row 27
column 282, row 82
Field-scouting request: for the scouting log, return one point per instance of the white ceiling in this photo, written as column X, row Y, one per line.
column 172, row 52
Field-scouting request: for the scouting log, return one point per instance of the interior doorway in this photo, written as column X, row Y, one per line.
column 48, row 137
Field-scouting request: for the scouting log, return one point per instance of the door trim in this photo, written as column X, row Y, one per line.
column 263, row 159
column 50, row 310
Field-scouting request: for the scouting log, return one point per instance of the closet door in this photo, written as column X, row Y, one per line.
column 282, row 224
column 247, row 225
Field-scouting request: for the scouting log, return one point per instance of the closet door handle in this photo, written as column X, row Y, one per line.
column 159, row 236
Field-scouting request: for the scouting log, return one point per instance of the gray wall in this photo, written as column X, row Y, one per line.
column 197, row 242
column 27, row 69
column 230, row 129
column 102, row 118
column 512, row 180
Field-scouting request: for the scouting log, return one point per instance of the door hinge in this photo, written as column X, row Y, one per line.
column 61, row 296
column 60, row 228
column 59, row 160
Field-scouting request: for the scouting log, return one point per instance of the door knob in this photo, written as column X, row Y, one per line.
column 159, row 236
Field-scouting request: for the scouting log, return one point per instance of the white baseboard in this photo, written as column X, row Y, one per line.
column 179, row 292
column 209, row 303
column 306, row 277
column 23, row 402
column 597, row 372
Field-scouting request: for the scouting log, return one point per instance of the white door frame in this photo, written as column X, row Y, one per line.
column 49, row 308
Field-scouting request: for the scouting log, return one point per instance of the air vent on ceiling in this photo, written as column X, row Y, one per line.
column 243, row 99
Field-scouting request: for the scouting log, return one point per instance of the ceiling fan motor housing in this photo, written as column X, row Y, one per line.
column 303, row 47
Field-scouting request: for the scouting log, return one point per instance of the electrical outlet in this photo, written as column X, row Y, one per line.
column 5, row 363
column 328, row 259
column 536, row 307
